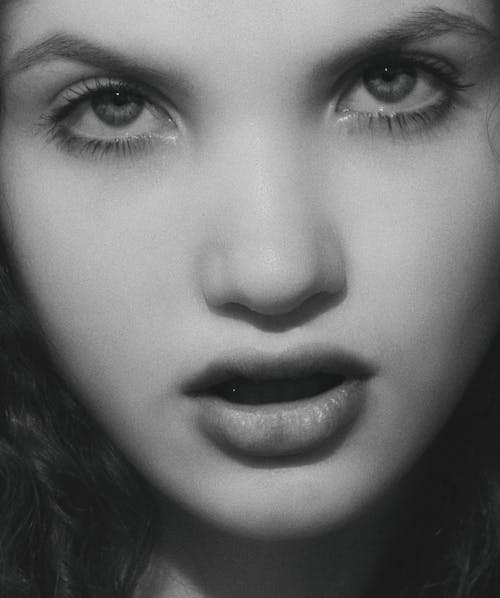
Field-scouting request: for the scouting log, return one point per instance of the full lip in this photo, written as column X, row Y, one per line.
column 280, row 428
column 293, row 363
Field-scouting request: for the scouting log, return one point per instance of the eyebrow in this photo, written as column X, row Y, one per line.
column 419, row 26
column 432, row 22
column 63, row 46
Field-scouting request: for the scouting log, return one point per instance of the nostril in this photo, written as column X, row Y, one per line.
column 268, row 291
column 272, row 276
column 307, row 311
column 273, row 304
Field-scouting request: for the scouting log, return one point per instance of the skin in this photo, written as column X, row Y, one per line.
column 265, row 220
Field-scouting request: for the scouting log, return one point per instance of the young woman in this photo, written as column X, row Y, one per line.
column 250, row 295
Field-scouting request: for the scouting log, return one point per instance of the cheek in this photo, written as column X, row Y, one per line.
column 107, row 256
column 422, row 242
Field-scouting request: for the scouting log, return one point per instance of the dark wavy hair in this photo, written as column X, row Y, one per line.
column 78, row 521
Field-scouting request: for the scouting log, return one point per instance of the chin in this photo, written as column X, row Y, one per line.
column 289, row 503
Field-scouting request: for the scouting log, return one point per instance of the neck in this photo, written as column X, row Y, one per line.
column 200, row 561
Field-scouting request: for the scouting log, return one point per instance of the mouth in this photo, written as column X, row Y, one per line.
column 279, row 405
column 258, row 379
column 244, row 391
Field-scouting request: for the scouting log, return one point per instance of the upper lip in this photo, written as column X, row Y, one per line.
column 298, row 362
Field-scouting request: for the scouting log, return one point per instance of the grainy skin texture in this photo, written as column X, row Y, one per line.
column 262, row 217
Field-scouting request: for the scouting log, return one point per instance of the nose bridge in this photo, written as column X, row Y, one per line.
column 275, row 248
column 267, row 181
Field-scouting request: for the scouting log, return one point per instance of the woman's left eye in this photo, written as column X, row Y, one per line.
column 109, row 117
column 402, row 92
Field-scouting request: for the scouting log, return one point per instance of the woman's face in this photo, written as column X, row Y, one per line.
column 199, row 192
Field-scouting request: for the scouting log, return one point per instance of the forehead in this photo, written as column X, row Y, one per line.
column 204, row 28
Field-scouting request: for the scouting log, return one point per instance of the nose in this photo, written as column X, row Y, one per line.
column 274, row 245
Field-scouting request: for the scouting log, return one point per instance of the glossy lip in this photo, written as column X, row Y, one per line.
column 285, row 428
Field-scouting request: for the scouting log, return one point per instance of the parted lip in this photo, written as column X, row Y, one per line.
column 292, row 364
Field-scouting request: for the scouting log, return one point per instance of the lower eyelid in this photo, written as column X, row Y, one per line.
column 75, row 142
column 97, row 149
column 403, row 125
column 88, row 125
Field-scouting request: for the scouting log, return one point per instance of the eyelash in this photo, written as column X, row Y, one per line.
column 405, row 123
column 121, row 147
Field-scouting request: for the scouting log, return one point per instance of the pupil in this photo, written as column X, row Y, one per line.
column 390, row 83
column 388, row 74
column 116, row 107
column 119, row 98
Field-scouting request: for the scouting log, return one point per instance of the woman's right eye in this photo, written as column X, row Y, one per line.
column 103, row 117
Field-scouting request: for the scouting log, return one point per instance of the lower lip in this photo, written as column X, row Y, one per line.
column 282, row 429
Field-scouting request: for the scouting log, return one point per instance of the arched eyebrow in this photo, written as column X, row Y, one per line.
column 419, row 26
column 429, row 23
column 64, row 46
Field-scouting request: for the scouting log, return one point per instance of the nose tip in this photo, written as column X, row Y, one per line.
column 272, row 245
column 272, row 280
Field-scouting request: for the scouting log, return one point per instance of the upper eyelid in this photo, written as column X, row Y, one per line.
column 425, row 61
column 327, row 78
column 85, row 89
column 94, row 85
